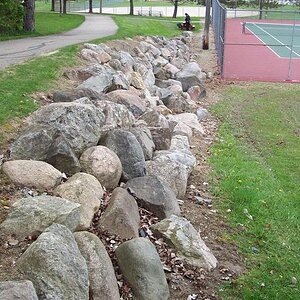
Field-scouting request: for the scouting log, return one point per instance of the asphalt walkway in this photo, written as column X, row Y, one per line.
column 17, row 51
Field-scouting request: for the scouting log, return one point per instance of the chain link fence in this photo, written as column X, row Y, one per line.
column 257, row 44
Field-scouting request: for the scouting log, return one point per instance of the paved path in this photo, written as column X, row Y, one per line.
column 17, row 51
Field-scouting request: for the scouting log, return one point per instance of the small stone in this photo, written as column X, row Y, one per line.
column 294, row 280
column 13, row 242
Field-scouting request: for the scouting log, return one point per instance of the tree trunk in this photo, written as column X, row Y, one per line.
column 131, row 8
column 175, row 8
column 64, row 6
column 52, row 5
column 90, row 6
column 29, row 19
column 101, row 5
column 205, row 45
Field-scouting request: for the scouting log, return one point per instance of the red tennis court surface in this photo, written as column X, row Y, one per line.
column 247, row 58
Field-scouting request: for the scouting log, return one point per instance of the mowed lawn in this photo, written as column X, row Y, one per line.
column 257, row 163
column 49, row 23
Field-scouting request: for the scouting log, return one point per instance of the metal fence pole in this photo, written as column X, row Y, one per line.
column 292, row 45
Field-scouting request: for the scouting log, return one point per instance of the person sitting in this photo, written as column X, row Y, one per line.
column 187, row 21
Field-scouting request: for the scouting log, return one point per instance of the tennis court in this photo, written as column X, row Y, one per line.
column 282, row 39
column 262, row 50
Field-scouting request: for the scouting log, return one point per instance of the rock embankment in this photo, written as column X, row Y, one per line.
column 123, row 133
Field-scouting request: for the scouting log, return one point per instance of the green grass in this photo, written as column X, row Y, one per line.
column 42, row 74
column 49, row 23
column 257, row 162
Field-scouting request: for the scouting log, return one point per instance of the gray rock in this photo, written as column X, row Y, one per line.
column 136, row 81
column 116, row 115
column 79, row 122
column 130, row 152
column 179, row 102
column 146, row 73
column 55, row 266
column 154, row 119
column 144, row 137
column 168, row 71
column 104, row 164
column 161, row 137
column 167, row 83
column 100, row 83
column 152, row 193
column 103, row 282
column 72, row 95
column 133, row 102
column 85, row 190
column 197, row 92
column 188, row 160
column 121, row 217
column 34, row 142
column 183, row 129
column 32, row 173
column 119, row 82
column 190, row 75
column 30, row 216
column 180, row 143
column 202, row 114
column 17, row 290
column 61, row 156
column 142, row 269
column 115, row 64
column 172, row 172
column 188, row 119
column 181, row 235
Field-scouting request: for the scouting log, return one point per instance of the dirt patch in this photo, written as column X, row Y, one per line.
column 184, row 280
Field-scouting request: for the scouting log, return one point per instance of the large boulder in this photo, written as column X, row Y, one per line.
column 190, row 75
column 154, row 119
column 79, row 122
column 161, row 137
column 142, row 269
column 30, row 216
column 152, row 193
column 14, row 290
column 116, row 115
column 188, row 160
column 104, row 164
column 32, row 173
column 172, row 172
column 188, row 119
column 180, row 102
column 102, row 280
column 86, row 190
column 121, row 217
column 130, row 152
column 55, row 265
column 100, row 83
column 184, row 238
column 132, row 101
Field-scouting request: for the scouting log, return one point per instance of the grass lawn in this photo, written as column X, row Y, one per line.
column 42, row 74
column 257, row 162
column 49, row 23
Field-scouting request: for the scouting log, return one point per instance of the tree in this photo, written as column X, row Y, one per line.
column 52, row 5
column 11, row 16
column 64, row 6
column 176, row 3
column 90, row 6
column 29, row 17
column 131, row 7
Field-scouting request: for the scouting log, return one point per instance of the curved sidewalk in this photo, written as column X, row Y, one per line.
column 17, row 51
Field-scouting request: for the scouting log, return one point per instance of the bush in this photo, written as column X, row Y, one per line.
column 11, row 16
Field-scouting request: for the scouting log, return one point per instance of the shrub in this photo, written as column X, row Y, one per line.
column 11, row 16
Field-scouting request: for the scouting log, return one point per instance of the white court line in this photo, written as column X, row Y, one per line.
column 264, row 42
column 275, row 40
